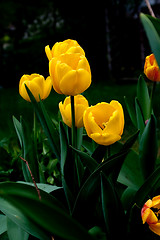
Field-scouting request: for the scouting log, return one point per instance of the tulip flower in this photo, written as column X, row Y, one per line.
column 150, row 214
column 151, row 68
column 80, row 105
column 67, row 46
column 70, row 73
column 37, row 85
column 104, row 122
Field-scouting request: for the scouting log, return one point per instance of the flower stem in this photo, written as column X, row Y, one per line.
column 35, row 131
column 150, row 8
column 74, row 138
column 73, row 122
column 151, row 97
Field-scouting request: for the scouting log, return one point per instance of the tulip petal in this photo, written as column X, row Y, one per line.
column 105, row 139
column 114, row 126
column 84, row 80
column 79, row 110
column 70, row 59
column 68, row 83
column 55, row 82
column 48, row 52
column 66, row 114
column 102, row 112
column 156, row 202
column 90, row 124
column 33, row 87
column 155, row 228
column 83, row 64
column 118, row 106
column 23, row 92
column 75, row 82
column 47, row 87
column 153, row 73
column 75, row 49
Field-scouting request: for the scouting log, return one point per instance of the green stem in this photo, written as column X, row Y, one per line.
column 151, row 97
column 35, row 132
column 73, row 123
column 74, row 138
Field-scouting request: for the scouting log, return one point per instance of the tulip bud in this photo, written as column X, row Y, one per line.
column 80, row 105
column 104, row 122
column 151, row 68
column 38, row 86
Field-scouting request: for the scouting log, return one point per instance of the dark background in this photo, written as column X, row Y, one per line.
column 110, row 32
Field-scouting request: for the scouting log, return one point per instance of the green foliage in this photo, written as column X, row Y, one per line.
column 151, row 26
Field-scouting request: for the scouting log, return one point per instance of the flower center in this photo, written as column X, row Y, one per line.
column 104, row 124
column 156, row 212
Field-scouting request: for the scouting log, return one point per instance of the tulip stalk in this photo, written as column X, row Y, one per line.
column 151, row 96
column 74, row 137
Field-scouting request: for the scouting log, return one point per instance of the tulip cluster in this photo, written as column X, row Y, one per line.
column 70, row 75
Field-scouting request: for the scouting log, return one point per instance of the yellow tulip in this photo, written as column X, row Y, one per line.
column 150, row 214
column 37, row 85
column 80, row 105
column 104, row 122
column 151, row 68
column 67, row 46
column 70, row 73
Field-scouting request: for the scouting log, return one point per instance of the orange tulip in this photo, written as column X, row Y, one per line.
column 151, row 68
column 150, row 214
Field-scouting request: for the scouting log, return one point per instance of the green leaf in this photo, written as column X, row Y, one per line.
column 46, row 123
column 148, row 147
column 64, row 155
column 143, row 97
column 143, row 193
column 3, row 224
column 112, row 209
column 128, row 196
column 140, row 117
column 89, row 187
column 99, row 153
column 87, row 160
column 130, row 141
column 152, row 29
column 52, row 127
column 19, row 132
column 20, row 200
column 15, row 232
column 97, row 233
column 131, row 173
column 125, row 148
column 131, row 111
column 28, row 152
column 45, row 187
